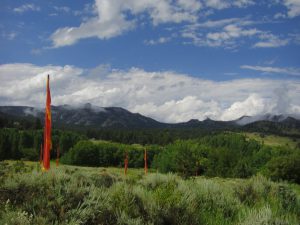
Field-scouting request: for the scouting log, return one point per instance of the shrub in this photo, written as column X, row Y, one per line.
column 285, row 168
column 85, row 196
column 254, row 190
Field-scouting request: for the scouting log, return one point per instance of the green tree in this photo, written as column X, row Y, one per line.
column 285, row 168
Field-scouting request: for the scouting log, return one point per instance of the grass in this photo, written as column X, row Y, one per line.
column 84, row 195
column 274, row 140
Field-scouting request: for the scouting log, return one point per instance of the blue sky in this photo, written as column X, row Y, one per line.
column 221, row 42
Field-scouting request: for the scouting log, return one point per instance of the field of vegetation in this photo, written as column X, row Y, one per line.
column 207, row 178
column 86, row 195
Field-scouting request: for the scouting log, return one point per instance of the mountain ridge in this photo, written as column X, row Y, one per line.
column 90, row 116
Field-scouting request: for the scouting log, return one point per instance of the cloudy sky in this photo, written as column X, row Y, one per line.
column 172, row 60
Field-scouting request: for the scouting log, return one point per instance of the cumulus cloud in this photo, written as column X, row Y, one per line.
column 114, row 17
column 181, row 110
column 293, row 7
column 111, row 19
column 269, row 69
column 251, row 106
column 283, row 101
column 166, row 96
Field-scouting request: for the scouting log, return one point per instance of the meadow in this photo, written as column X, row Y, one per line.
column 274, row 140
column 96, row 195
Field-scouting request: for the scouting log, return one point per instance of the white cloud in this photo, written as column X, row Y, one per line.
column 92, row 28
column 223, row 4
column 190, row 4
column 181, row 110
column 268, row 69
column 230, row 33
column 214, row 23
column 253, row 105
column 26, row 7
column 270, row 41
column 226, row 33
column 111, row 19
column 63, row 9
column 293, row 7
column 279, row 16
column 160, row 40
column 217, row 4
column 243, row 3
column 9, row 35
column 165, row 96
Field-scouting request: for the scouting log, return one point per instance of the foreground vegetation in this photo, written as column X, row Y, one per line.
column 79, row 195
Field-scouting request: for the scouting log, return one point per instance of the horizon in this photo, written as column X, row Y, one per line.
column 254, row 118
column 172, row 61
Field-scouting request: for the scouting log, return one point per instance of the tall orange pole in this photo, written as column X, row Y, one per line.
column 47, row 130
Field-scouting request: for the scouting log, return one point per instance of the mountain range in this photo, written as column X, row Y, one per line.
column 90, row 116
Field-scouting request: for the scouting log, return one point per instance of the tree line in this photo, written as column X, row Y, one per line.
column 229, row 155
column 222, row 154
column 26, row 144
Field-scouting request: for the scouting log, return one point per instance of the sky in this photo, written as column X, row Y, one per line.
column 172, row 60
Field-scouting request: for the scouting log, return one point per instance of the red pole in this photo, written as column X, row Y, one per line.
column 47, row 130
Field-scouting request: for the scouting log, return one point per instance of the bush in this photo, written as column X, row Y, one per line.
column 284, row 168
column 30, row 154
column 88, row 153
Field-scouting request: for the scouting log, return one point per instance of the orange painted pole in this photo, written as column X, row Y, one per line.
column 47, row 130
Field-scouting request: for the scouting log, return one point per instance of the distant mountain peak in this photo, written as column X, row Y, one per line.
column 266, row 117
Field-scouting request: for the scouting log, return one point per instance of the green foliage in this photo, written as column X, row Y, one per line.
column 225, row 154
column 69, row 195
column 284, row 168
column 88, row 153
column 26, row 144
column 146, row 136
column 229, row 155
